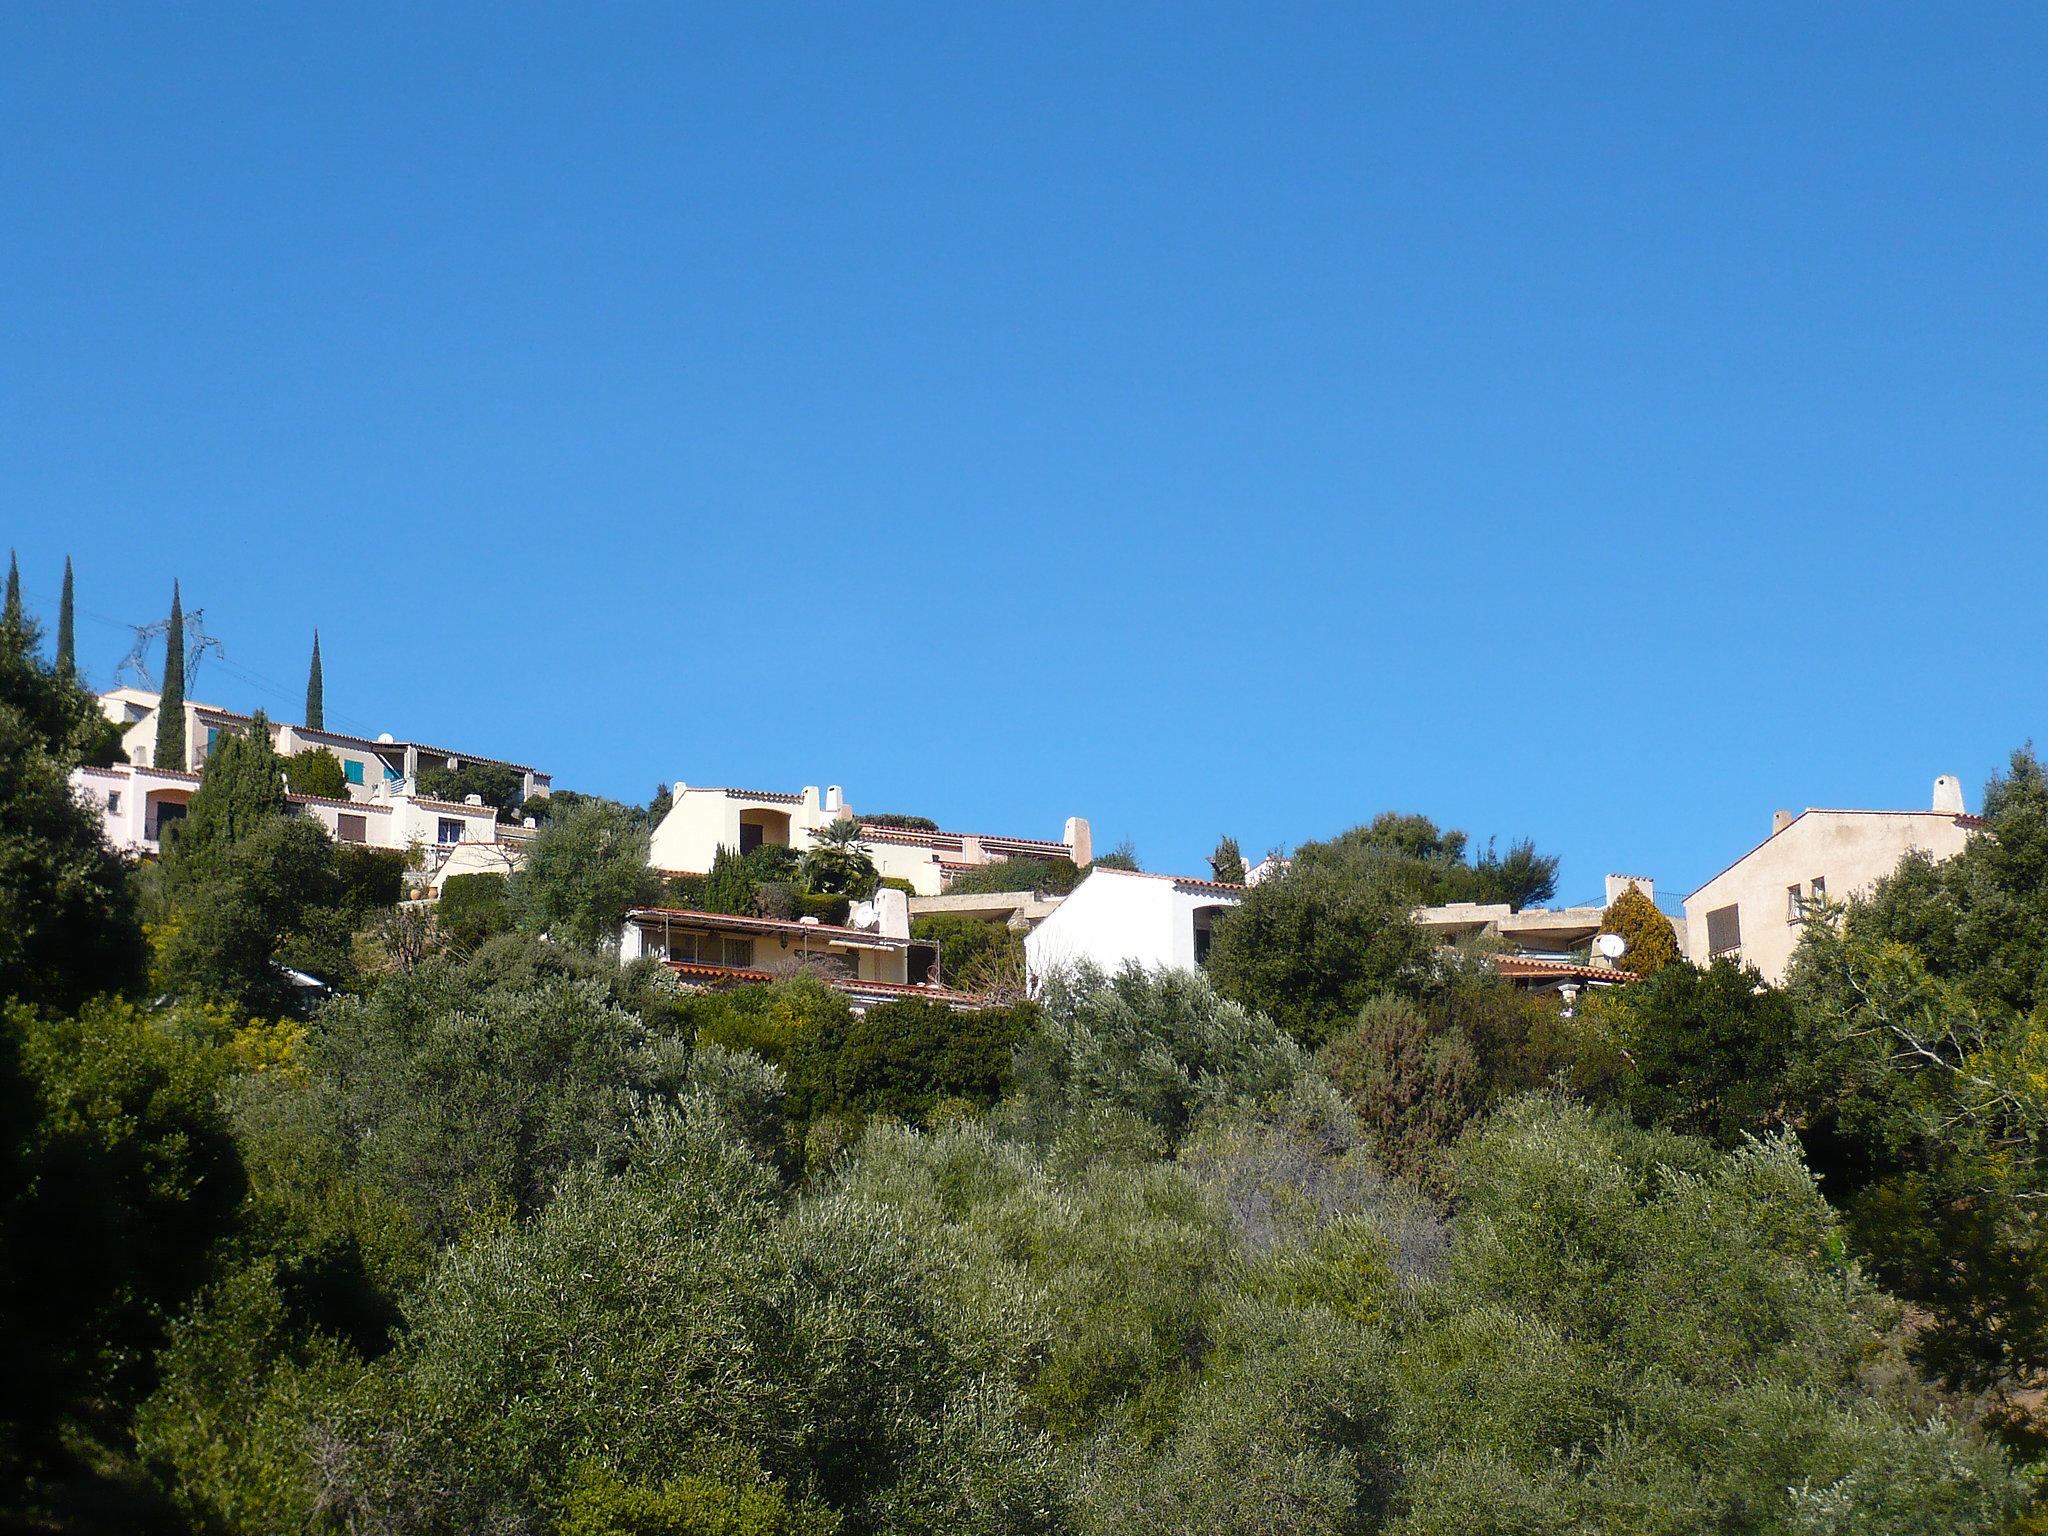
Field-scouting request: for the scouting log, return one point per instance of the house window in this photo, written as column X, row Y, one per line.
column 711, row 949
column 451, row 830
column 113, row 802
column 391, row 774
column 212, row 735
column 1819, row 887
column 352, row 829
column 1795, row 904
column 1724, row 930
column 750, row 836
column 352, row 770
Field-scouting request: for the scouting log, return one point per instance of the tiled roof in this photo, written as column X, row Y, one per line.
column 450, row 805
column 1963, row 819
column 346, row 805
column 1189, row 881
column 778, row 796
column 1528, row 968
column 760, row 924
column 1030, row 847
column 839, row 983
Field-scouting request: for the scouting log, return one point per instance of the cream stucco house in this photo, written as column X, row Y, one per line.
column 870, row 958
column 702, row 820
column 1752, row 910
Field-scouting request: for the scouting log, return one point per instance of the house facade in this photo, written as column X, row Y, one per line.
column 871, row 958
column 137, row 805
column 1541, row 949
column 1753, row 910
column 702, row 819
column 367, row 765
column 1118, row 917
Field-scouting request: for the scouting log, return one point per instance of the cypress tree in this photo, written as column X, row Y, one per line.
column 67, row 660
column 242, row 789
column 316, row 691
column 170, row 709
column 11, row 615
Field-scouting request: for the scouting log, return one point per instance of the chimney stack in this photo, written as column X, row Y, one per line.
column 1948, row 794
column 1780, row 820
column 1617, row 886
column 1080, row 846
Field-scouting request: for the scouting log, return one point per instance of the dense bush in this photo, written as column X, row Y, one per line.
column 1312, row 946
column 1053, row 877
column 585, row 870
column 318, row 772
column 495, row 783
column 967, row 946
column 472, row 908
column 124, row 1173
column 1652, row 941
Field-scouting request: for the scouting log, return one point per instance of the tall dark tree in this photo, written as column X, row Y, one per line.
column 170, row 710
column 12, row 615
column 242, row 790
column 67, row 911
column 67, row 658
column 316, row 691
column 1227, row 863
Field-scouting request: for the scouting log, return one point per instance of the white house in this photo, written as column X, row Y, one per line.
column 136, row 804
column 702, row 819
column 366, row 764
column 1118, row 916
column 1752, row 910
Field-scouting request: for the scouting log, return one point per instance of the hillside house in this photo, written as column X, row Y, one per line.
column 701, row 820
column 366, row 764
column 137, row 804
column 871, row 958
column 1753, row 910
column 1119, row 917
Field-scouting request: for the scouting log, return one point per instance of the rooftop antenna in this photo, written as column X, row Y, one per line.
column 197, row 643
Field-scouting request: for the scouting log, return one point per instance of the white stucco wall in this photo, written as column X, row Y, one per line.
column 1849, row 850
column 1115, row 917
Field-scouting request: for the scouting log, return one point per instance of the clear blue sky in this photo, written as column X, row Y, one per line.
column 1597, row 423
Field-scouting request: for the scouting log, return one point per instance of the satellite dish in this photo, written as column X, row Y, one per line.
column 1610, row 946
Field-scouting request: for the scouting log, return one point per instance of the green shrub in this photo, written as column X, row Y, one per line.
column 318, row 772
column 903, row 1059
column 826, row 909
column 472, row 908
column 494, row 783
column 1051, row 876
column 1652, row 941
column 601, row 1505
column 968, row 946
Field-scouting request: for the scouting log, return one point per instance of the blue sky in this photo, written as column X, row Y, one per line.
column 1602, row 424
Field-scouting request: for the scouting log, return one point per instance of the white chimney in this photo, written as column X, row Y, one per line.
column 1780, row 820
column 835, row 799
column 1948, row 794
column 1617, row 886
column 892, row 913
column 472, row 799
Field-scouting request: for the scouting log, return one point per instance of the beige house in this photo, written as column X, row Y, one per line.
column 1751, row 911
column 871, row 958
column 702, row 820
